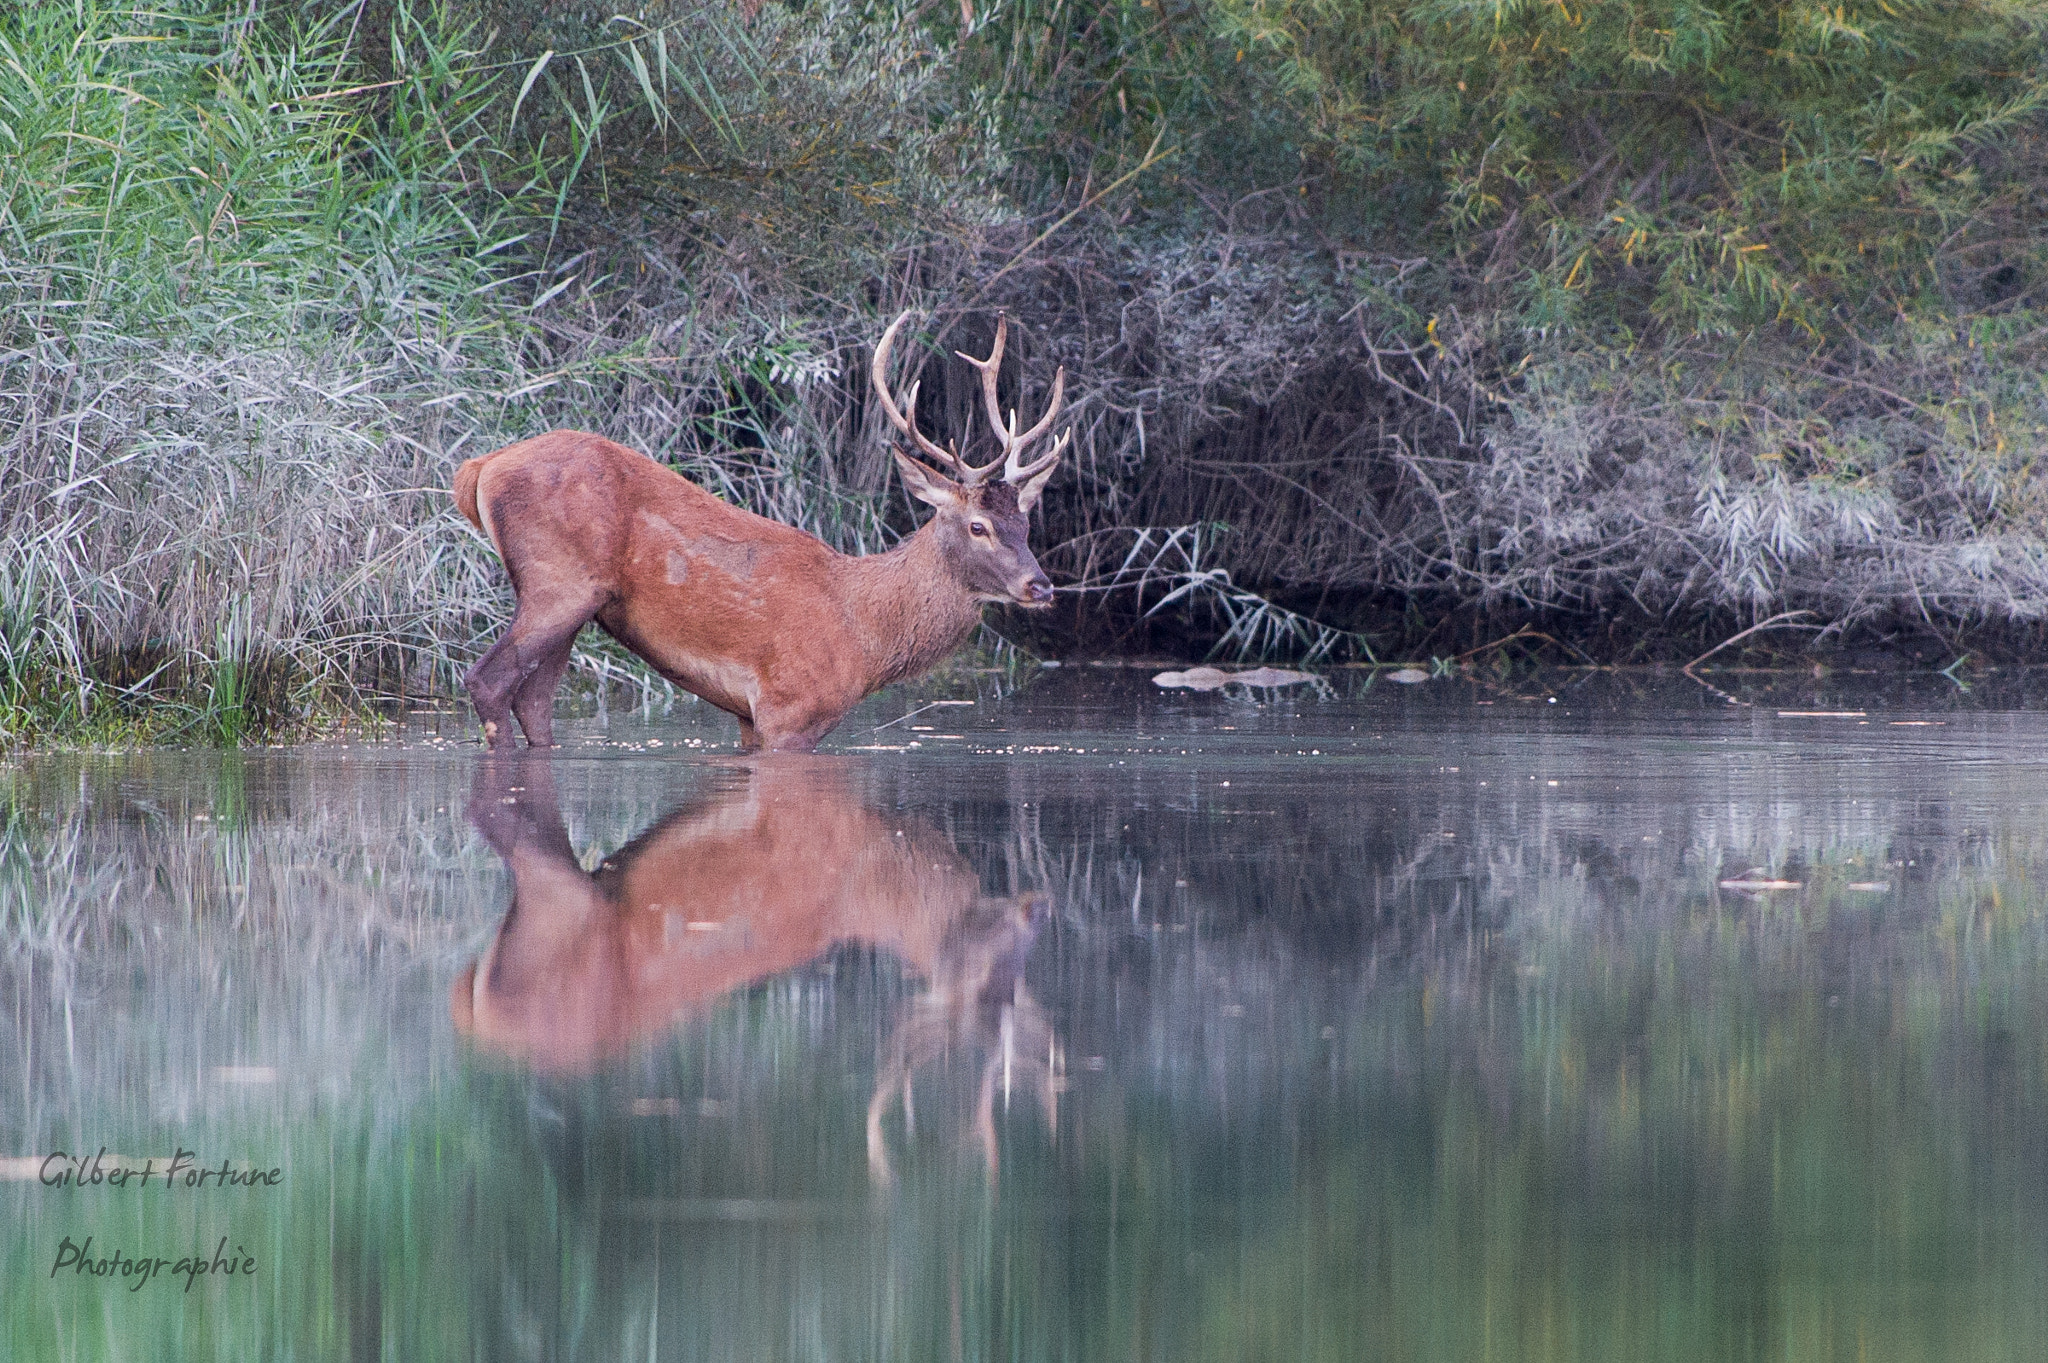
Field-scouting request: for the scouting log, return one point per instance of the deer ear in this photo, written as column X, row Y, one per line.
column 927, row 485
column 1029, row 491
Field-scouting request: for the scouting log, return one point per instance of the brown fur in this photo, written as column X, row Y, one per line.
column 760, row 619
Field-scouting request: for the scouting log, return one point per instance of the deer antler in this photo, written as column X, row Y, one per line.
column 1013, row 444
column 904, row 419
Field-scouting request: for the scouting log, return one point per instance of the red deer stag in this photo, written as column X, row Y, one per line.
column 741, row 883
column 760, row 619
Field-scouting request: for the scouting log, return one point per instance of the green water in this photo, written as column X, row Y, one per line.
column 1102, row 1023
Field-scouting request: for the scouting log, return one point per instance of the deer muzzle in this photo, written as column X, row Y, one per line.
column 1035, row 592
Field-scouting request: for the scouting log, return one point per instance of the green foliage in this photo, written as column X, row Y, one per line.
column 1675, row 310
column 1699, row 168
column 179, row 169
column 817, row 139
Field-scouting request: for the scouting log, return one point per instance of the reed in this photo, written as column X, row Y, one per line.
column 230, row 297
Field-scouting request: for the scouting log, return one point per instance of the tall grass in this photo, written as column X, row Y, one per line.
column 231, row 296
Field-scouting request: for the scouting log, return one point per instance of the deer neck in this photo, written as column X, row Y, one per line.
column 912, row 610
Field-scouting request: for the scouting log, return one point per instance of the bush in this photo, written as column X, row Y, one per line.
column 1686, row 311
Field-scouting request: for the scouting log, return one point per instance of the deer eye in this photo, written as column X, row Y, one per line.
column 978, row 528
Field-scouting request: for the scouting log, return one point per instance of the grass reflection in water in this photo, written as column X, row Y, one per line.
column 1356, row 1056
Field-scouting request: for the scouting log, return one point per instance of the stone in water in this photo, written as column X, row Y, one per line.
column 1215, row 678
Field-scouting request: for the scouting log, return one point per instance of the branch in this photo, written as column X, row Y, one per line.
column 1780, row 617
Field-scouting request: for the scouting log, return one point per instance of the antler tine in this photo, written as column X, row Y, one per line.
column 990, row 369
column 1013, row 444
column 1040, row 464
column 948, row 459
column 907, row 424
column 1012, row 472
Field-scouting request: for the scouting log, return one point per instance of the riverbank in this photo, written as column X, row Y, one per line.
column 1614, row 352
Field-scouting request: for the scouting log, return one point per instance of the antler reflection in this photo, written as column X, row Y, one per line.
column 977, row 997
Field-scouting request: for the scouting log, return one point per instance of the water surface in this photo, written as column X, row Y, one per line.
column 1572, row 1019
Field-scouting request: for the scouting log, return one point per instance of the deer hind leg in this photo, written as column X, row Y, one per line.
column 490, row 695
column 523, row 669
column 534, row 701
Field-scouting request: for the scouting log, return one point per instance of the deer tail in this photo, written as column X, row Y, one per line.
column 467, row 500
column 465, row 491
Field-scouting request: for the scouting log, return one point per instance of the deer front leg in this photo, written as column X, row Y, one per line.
column 781, row 738
column 782, row 731
column 799, row 724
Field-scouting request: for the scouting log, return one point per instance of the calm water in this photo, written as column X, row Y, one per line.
column 1082, row 1022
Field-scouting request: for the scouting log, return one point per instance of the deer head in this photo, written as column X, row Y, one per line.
column 982, row 526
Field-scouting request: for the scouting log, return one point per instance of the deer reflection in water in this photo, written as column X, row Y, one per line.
column 742, row 882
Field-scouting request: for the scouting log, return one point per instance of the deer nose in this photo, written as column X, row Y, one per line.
column 1036, row 591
